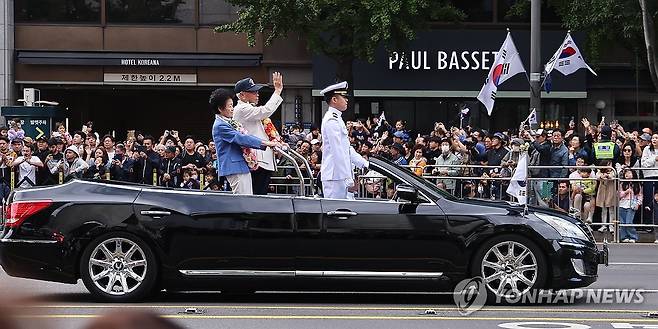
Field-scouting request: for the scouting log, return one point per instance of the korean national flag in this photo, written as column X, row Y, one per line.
column 567, row 59
column 506, row 65
column 518, row 185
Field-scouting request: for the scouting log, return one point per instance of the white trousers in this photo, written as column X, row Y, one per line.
column 240, row 183
column 336, row 189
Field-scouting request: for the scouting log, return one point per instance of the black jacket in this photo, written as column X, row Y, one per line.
column 123, row 171
column 171, row 167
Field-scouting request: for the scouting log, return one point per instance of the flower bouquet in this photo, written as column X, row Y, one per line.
column 249, row 155
column 270, row 130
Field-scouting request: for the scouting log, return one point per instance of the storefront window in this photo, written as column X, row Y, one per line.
column 151, row 11
column 636, row 115
column 216, row 12
column 57, row 11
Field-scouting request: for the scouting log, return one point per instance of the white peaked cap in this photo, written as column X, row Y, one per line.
column 334, row 87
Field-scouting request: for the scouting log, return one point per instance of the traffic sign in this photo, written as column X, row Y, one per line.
column 36, row 127
column 37, row 121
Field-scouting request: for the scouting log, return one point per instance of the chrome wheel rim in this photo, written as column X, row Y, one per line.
column 509, row 269
column 117, row 266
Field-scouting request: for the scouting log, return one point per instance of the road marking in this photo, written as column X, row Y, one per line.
column 645, row 264
column 347, row 308
column 344, row 317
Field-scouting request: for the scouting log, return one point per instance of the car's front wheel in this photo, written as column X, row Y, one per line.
column 119, row 267
column 510, row 266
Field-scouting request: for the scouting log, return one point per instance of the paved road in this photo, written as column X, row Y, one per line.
column 632, row 267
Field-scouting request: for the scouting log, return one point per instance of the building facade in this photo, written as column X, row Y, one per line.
column 148, row 67
column 151, row 65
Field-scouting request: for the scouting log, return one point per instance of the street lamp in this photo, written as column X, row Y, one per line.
column 599, row 105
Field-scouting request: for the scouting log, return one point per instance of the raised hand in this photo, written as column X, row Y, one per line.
column 277, row 79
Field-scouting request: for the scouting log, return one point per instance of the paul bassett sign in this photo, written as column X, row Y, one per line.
column 446, row 60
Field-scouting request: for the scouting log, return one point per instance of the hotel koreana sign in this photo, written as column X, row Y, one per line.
column 140, row 62
column 150, row 78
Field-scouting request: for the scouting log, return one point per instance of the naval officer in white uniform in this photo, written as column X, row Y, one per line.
column 338, row 157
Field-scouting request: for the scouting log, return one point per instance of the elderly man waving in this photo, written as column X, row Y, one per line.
column 251, row 117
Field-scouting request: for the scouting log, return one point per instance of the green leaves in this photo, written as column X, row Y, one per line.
column 340, row 29
column 604, row 21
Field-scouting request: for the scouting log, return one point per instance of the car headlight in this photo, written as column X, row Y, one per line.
column 563, row 226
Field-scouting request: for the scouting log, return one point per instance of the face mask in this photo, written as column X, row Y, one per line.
column 480, row 189
column 515, row 148
column 195, row 177
column 445, row 148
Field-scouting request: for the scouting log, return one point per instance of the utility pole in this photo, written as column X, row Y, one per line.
column 535, row 57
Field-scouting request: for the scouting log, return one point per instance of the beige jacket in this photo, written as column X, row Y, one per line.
column 251, row 118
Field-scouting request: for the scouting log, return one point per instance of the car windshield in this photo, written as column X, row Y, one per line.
column 431, row 186
column 417, row 180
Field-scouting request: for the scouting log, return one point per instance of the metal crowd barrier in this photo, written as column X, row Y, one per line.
column 541, row 190
column 464, row 181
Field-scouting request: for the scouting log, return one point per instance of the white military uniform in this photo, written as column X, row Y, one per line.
column 338, row 157
column 251, row 117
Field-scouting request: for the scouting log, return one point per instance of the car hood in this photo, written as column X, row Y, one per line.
column 516, row 208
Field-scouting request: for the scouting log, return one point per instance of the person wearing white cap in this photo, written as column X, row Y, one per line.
column 251, row 117
column 338, row 156
column 73, row 166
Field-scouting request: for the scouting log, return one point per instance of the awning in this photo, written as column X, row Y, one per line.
column 137, row 59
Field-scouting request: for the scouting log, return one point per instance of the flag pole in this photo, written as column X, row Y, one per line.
column 535, row 55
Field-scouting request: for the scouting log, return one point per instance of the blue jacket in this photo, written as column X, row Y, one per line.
column 229, row 143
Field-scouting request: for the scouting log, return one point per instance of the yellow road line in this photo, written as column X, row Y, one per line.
column 351, row 317
column 346, row 308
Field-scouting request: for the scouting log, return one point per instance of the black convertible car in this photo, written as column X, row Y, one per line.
column 127, row 241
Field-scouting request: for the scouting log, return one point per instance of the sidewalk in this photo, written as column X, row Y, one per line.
column 643, row 237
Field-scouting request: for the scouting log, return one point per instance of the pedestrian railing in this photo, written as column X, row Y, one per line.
column 471, row 181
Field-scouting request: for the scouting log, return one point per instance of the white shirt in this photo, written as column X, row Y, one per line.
column 337, row 154
column 251, row 118
column 649, row 161
column 29, row 170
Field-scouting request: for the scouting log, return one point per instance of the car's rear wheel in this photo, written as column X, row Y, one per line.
column 510, row 266
column 119, row 267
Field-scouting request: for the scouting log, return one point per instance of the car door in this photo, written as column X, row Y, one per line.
column 370, row 235
column 210, row 232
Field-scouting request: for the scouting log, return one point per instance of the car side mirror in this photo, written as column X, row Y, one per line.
column 407, row 193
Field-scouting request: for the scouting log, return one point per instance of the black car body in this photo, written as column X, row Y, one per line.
column 126, row 241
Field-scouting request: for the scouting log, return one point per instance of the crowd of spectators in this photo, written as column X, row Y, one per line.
column 465, row 161
column 586, row 160
column 168, row 160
